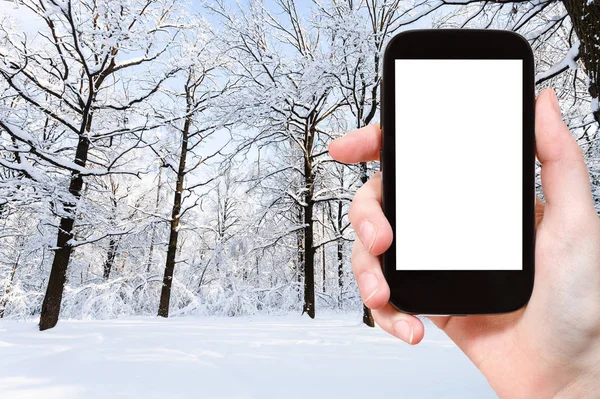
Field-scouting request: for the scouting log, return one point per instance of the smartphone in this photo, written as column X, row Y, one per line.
column 458, row 171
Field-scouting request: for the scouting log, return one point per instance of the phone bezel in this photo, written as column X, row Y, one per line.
column 459, row 292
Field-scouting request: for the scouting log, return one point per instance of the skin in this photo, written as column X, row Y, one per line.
column 549, row 348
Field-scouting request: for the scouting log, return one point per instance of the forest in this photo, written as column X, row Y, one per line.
column 169, row 157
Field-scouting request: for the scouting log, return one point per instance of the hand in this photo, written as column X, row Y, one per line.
column 550, row 348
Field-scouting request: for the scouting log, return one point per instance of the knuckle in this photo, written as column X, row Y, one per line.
column 357, row 259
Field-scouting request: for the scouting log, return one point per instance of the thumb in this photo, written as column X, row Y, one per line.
column 565, row 178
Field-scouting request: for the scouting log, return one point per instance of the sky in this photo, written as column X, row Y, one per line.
column 31, row 25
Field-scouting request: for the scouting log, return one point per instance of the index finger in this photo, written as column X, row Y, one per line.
column 361, row 145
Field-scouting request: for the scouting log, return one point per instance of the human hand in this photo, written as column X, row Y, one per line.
column 551, row 347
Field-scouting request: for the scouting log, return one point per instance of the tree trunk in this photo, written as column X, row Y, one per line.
column 165, row 295
column 113, row 245
column 367, row 315
column 309, row 259
column 323, row 253
column 8, row 289
column 154, row 225
column 300, row 271
column 62, row 255
column 300, row 239
column 585, row 17
column 340, row 255
column 340, row 260
column 309, row 251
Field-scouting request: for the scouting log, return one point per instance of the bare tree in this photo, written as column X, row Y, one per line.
column 113, row 188
column 540, row 22
column 287, row 99
column 359, row 32
column 72, row 80
column 344, row 179
column 114, row 178
column 155, row 224
column 200, row 90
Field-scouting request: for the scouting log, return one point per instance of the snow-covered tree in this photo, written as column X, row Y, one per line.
column 149, row 158
column 196, row 126
column 82, row 111
column 287, row 101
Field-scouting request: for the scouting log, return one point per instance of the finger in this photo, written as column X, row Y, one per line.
column 565, row 179
column 361, row 145
column 401, row 325
column 367, row 218
column 372, row 286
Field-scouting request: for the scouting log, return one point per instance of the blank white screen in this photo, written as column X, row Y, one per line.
column 458, row 164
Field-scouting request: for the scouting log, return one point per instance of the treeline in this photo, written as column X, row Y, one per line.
column 158, row 157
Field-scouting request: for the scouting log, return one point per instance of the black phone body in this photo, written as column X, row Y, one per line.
column 457, row 121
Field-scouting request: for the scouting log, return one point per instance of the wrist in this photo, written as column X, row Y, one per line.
column 569, row 381
column 586, row 385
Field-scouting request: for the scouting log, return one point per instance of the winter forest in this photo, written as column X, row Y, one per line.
column 168, row 157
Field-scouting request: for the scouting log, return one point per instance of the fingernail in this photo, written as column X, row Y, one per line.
column 404, row 331
column 367, row 234
column 369, row 284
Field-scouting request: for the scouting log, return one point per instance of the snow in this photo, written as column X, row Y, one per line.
column 569, row 61
column 334, row 356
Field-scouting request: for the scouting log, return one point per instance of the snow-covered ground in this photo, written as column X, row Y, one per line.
column 243, row 357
